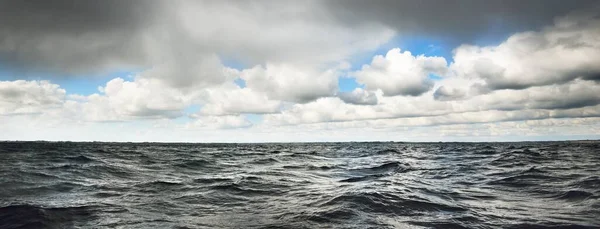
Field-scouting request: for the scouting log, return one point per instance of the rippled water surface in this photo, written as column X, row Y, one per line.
column 318, row 185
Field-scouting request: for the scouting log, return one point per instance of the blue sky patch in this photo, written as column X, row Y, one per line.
column 346, row 84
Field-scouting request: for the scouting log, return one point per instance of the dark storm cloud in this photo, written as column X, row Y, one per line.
column 458, row 20
column 75, row 16
column 71, row 36
column 86, row 34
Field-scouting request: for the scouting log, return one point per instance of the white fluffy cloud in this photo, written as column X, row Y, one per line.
column 401, row 73
column 289, row 83
column 140, row 98
column 557, row 54
column 23, row 97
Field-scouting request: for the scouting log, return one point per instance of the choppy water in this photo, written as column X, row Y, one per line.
column 347, row 185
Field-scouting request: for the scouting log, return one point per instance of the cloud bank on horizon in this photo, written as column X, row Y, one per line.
column 238, row 71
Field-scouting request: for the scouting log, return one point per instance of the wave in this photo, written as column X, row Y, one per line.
column 387, row 151
column 309, row 185
column 372, row 173
column 574, row 195
column 30, row 216
column 552, row 226
column 211, row 180
column 194, row 164
column 521, row 180
column 80, row 159
column 591, row 182
column 158, row 186
column 264, row 161
column 241, row 190
column 388, row 203
column 363, row 178
column 385, row 167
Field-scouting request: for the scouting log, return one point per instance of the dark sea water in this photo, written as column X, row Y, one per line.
column 318, row 185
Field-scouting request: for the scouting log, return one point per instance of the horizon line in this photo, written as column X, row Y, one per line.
column 290, row 142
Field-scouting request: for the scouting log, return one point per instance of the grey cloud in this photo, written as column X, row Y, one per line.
column 74, row 36
column 413, row 91
column 79, row 36
column 92, row 36
column 576, row 94
column 359, row 97
column 70, row 16
column 145, row 112
column 462, row 21
column 446, row 94
column 498, row 81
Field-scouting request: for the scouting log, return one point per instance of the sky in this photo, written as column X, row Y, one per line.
column 299, row 71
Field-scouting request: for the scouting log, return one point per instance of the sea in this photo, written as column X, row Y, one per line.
column 300, row 185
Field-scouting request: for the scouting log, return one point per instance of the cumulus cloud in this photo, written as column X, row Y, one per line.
column 289, row 83
column 23, row 97
column 557, row 54
column 141, row 98
column 401, row 73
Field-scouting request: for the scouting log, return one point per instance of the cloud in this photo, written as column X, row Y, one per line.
column 87, row 36
column 290, row 57
column 290, row 83
column 473, row 117
column 461, row 21
column 141, row 98
column 575, row 94
column 359, row 96
column 222, row 101
column 27, row 97
column 560, row 53
column 192, row 72
column 400, row 73
column 219, row 122
column 447, row 94
column 82, row 36
column 574, row 99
